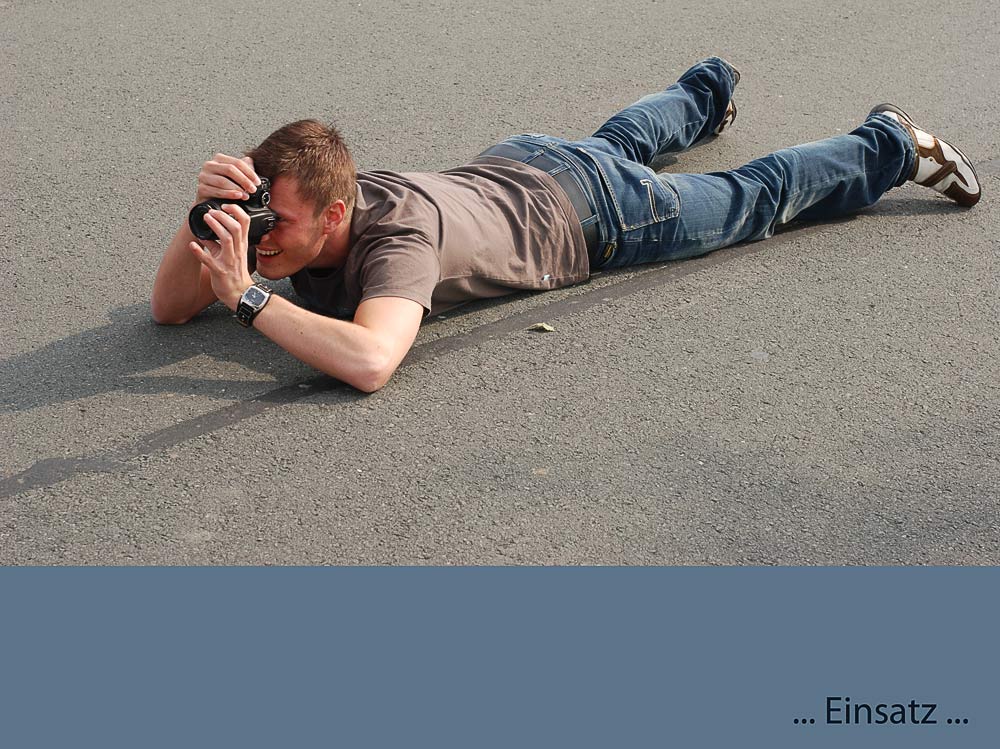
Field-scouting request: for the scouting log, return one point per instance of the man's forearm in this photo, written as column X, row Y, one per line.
column 180, row 290
column 341, row 349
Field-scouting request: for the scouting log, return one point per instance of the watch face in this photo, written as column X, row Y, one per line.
column 255, row 296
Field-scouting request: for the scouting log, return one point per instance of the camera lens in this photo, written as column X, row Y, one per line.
column 196, row 220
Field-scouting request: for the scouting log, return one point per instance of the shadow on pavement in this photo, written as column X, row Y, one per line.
column 125, row 354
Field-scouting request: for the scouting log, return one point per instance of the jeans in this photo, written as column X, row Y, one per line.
column 648, row 217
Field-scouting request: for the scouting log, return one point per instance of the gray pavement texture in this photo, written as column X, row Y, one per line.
column 826, row 397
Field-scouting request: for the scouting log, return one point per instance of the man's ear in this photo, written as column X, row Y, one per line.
column 334, row 215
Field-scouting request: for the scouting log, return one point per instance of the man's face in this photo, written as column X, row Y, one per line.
column 297, row 239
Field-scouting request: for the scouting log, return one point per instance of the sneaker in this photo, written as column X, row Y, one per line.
column 940, row 166
column 730, row 115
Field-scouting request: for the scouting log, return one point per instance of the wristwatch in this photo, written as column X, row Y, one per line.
column 251, row 303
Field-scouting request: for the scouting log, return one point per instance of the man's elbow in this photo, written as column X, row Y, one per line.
column 370, row 382
column 375, row 374
column 163, row 316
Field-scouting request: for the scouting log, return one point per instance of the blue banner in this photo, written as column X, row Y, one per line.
column 499, row 657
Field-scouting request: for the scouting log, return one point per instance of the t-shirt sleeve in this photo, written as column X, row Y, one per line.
column 405, row 265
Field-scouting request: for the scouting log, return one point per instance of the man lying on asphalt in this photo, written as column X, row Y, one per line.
column 383, row 249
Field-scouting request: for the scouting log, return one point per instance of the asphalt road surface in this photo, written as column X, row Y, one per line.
column 830, row 396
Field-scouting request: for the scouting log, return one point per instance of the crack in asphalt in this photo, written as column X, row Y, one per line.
column 49, row 471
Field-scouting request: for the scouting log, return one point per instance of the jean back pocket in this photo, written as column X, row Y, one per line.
column 638, row 197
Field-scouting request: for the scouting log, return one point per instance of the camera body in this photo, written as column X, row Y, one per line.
column 262, row 218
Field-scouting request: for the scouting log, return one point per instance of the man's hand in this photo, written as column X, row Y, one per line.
column 226, row 178
column 225, row 259
column 185, row 284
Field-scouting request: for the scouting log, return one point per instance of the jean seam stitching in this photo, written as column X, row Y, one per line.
column 614, row 198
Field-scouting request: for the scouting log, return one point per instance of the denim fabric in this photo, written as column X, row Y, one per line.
column 647, row 217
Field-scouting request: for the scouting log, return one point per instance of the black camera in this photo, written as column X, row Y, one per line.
column 262, row 218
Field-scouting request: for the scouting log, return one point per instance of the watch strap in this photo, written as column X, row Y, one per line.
column 245, row 311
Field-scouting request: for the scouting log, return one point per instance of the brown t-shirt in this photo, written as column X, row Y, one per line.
column 484, row 229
